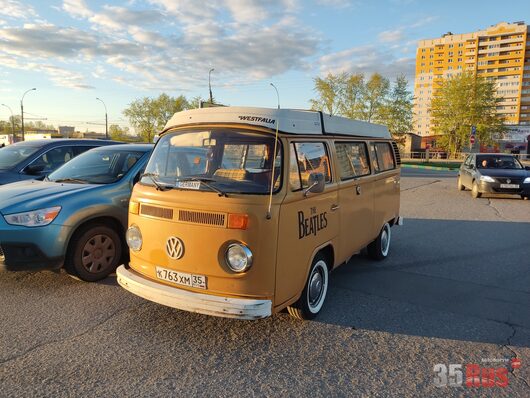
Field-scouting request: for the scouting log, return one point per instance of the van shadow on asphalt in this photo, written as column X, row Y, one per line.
column 463, row 280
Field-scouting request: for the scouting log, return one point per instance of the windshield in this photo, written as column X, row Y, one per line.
column 97, row 166
column 498, row 162
column 12, row 155
column 221, row 160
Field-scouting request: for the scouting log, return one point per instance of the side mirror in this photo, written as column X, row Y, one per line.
column 316, row 183
column 34, row 170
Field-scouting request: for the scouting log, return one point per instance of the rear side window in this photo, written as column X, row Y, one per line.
column 308, row 157
column 353, row 159
column 52, row 159
column 383, row 156
column 78, row 150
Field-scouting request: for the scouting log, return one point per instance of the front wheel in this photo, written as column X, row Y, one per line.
column 475, row 192
column 95, row 253
column 459, row 184
column 314, row 293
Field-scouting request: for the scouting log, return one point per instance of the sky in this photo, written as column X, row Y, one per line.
column 74, row 51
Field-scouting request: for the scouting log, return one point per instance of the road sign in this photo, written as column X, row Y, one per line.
column 473, row 130
column 472, row 139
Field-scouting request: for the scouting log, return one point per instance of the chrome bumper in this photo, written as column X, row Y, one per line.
column 201, row 303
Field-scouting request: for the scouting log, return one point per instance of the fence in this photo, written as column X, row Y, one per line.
column 459, row 156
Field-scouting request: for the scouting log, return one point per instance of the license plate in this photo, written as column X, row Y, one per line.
column 189, row 184
column 181, row 278
column 509, row 185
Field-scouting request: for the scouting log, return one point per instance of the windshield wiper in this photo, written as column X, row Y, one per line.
column 152, row 177
column 72, row 180
column 205, row 180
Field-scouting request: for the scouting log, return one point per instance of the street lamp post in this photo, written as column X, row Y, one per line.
column 22, row 110
column 106, row 119
column 277, row 94
column 210, row 85
column 12, row 122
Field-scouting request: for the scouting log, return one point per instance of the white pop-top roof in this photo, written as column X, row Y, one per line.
column 290, row 121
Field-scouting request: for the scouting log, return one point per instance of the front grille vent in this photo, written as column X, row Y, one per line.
column 396, row 152
column 204, row 218
column 154, row 211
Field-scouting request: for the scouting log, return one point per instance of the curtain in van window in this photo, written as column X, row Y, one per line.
column 311, row 157
column 385, row 158
column 353, row 159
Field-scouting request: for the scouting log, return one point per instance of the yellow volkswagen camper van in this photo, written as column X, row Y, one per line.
column 243, row 212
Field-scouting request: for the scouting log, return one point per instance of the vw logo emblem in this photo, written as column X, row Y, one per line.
column 508, row 181
column 174, row 248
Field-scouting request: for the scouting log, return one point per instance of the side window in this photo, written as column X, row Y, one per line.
column 52, row 159
column 353, row 159
column 468, row 160
column 384, row 156
column 78, row 150
column 310, row 157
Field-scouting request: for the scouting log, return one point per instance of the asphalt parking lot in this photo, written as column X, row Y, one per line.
column 455, row 290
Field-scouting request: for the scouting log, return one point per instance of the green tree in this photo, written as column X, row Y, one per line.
column 463, row 101
column 118, row 133
column 396, row 113
column 351, row 102
column 150, row 115
column 375, row 93
column 329, row 92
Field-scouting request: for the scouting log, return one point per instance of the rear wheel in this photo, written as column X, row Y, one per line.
column 474, row 191
column 459, row 184
column 94, row 253
column 379, row 248
column 314, row 293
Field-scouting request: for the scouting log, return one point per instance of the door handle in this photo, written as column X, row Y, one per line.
column 335, row 207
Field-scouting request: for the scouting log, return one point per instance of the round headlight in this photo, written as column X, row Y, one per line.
column 133, row 236
column 238, row 257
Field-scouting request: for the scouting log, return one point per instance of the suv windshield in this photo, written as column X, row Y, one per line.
column 12, row 155
column 498, row 162
column 97, row 166
column 219, row 160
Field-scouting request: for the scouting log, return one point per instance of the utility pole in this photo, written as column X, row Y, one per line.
column 12, row 122
column 22, row 110
column 210, row 85
column 106, row 119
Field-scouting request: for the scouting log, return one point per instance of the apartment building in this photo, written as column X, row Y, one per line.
column 500, row 53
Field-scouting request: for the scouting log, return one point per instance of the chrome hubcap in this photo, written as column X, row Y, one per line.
column 315, row 287
column 98, row 254
column 385, row 239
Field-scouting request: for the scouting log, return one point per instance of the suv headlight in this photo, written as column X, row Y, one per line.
column 526, row 180
column 35, row 218
column 487, row 179
column 133, row 236
column 238, row 257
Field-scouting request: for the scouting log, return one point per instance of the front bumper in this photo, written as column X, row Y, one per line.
column 32, row 249
column 227, row 307
column 495, row 188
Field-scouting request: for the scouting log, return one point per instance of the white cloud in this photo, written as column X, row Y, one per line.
column 172, row 44
column 15, row 9
column 390, row 36
column 77, row 8
column 367, row 60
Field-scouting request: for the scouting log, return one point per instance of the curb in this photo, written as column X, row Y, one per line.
column 414, row 166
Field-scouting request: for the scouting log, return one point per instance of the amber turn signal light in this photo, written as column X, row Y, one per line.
column 237, row 221
column 134, row 207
